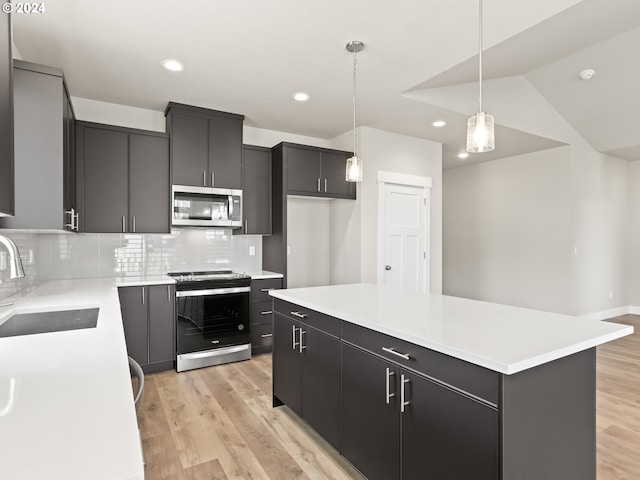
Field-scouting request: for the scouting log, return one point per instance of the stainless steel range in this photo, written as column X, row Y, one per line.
column 213, row 318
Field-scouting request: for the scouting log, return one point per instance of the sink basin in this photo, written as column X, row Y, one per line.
column 31, row 323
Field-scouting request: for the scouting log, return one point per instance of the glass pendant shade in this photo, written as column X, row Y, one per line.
column 354, row 169
column 480, row 133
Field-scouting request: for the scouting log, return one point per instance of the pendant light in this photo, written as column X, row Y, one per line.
column 480, row 131
column 354, row 164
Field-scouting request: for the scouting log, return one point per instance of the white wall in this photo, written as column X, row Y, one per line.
column 507, row 231
column 114, row 114
column 308, row 237
column 633, row 264
column 387, row 151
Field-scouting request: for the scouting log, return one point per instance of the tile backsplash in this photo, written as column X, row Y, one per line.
column 48, row 256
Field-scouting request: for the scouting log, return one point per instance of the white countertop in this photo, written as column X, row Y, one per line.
column 498, row 337
column 263, row 274
column 66, row 401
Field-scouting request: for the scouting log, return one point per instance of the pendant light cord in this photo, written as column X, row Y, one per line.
column 480, row 56
column 354, row 102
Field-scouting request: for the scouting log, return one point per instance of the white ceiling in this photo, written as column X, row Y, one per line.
column 249, row 57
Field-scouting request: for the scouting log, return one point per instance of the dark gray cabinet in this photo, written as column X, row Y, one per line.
column 409, row 412
column 317, row 172
column 123, row 179
column 206, row 146
column 6, row 118
column 256, row 191
column 44, row 153
column 148, row 316
column 373, row 447
column 262, row 314
column 309, row 360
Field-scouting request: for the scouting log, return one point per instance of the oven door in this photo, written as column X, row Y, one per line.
column 213, row 318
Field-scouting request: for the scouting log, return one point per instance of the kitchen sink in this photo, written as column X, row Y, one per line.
column 31, row 323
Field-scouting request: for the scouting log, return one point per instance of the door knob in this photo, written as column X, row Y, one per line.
column 387, row 267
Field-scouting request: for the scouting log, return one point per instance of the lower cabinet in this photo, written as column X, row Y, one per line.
column 261, row 314
column 308, row 380
column 148, row 316
column 370, row 414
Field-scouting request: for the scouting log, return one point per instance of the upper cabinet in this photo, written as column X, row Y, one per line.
column 316, row 172
column 256, row 191
column 206, row 146
column 123, row 179
column 6, row 119
column 44, row 153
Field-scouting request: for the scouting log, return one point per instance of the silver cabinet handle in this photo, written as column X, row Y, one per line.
column 293, row 336
column 213, row 177
column 403, row 403
column 266, row 335
column 76, row 221
column 268, row 312
column 124, row 225
column 246, row 227
column 71, row 223
column 142, row 295
column 266, row 289
column 169, row 293
column 204, row 179
column 301, row 343
column 388, row 394
column 325, row 185
column 401, row 355
column 133, row 221
column 299, row 315
column 318, row 184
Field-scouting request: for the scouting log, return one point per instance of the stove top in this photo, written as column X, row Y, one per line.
column 212, row 276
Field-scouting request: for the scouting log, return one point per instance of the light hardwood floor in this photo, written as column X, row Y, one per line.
column 217, row 423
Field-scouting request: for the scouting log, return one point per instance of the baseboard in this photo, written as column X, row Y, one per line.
column 613, row 312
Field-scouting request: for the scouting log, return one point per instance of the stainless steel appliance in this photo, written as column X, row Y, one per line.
column 213, row 318
column 206, row 207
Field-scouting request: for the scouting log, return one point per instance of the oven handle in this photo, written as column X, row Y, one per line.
column 212, row 291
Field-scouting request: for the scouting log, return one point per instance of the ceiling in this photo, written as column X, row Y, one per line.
column 249, row 57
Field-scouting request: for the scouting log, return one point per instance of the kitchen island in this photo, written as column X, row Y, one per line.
column 417, row 386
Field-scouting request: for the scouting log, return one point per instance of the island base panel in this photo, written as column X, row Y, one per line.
column 549, row 421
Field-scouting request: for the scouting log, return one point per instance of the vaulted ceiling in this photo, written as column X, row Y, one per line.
column 419, row 63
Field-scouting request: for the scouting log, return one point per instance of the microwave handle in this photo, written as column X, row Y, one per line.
column 230, row 207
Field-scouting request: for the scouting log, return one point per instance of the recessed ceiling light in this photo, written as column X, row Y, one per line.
column 439, row 123
column 173, row 65
column 463, row 155
column 301, row 96
column 587, row 74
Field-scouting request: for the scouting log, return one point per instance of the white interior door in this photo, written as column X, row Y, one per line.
column 403, row 243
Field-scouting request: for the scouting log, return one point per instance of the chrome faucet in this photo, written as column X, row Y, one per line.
column 15, row 263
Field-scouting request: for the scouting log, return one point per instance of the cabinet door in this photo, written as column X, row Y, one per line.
column 148, row 184
column 287, row 365
column 256, row 191
column 333, row 176
column 133, row 306
column 225, row 155
column 321, row 384
column 162, row 328
column 68, row 160
column 303, row 170
column 370, row 425
column 6, row 118
column 106, row 174
column 189, row 150
column 446, row 434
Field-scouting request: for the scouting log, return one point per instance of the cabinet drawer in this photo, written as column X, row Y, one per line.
column 260, row 288
column 262, row 335
column 320, row 321
column 473, row 379
column 261, row 312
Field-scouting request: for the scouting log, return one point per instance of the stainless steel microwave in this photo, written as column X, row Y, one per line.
column 206, row 207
